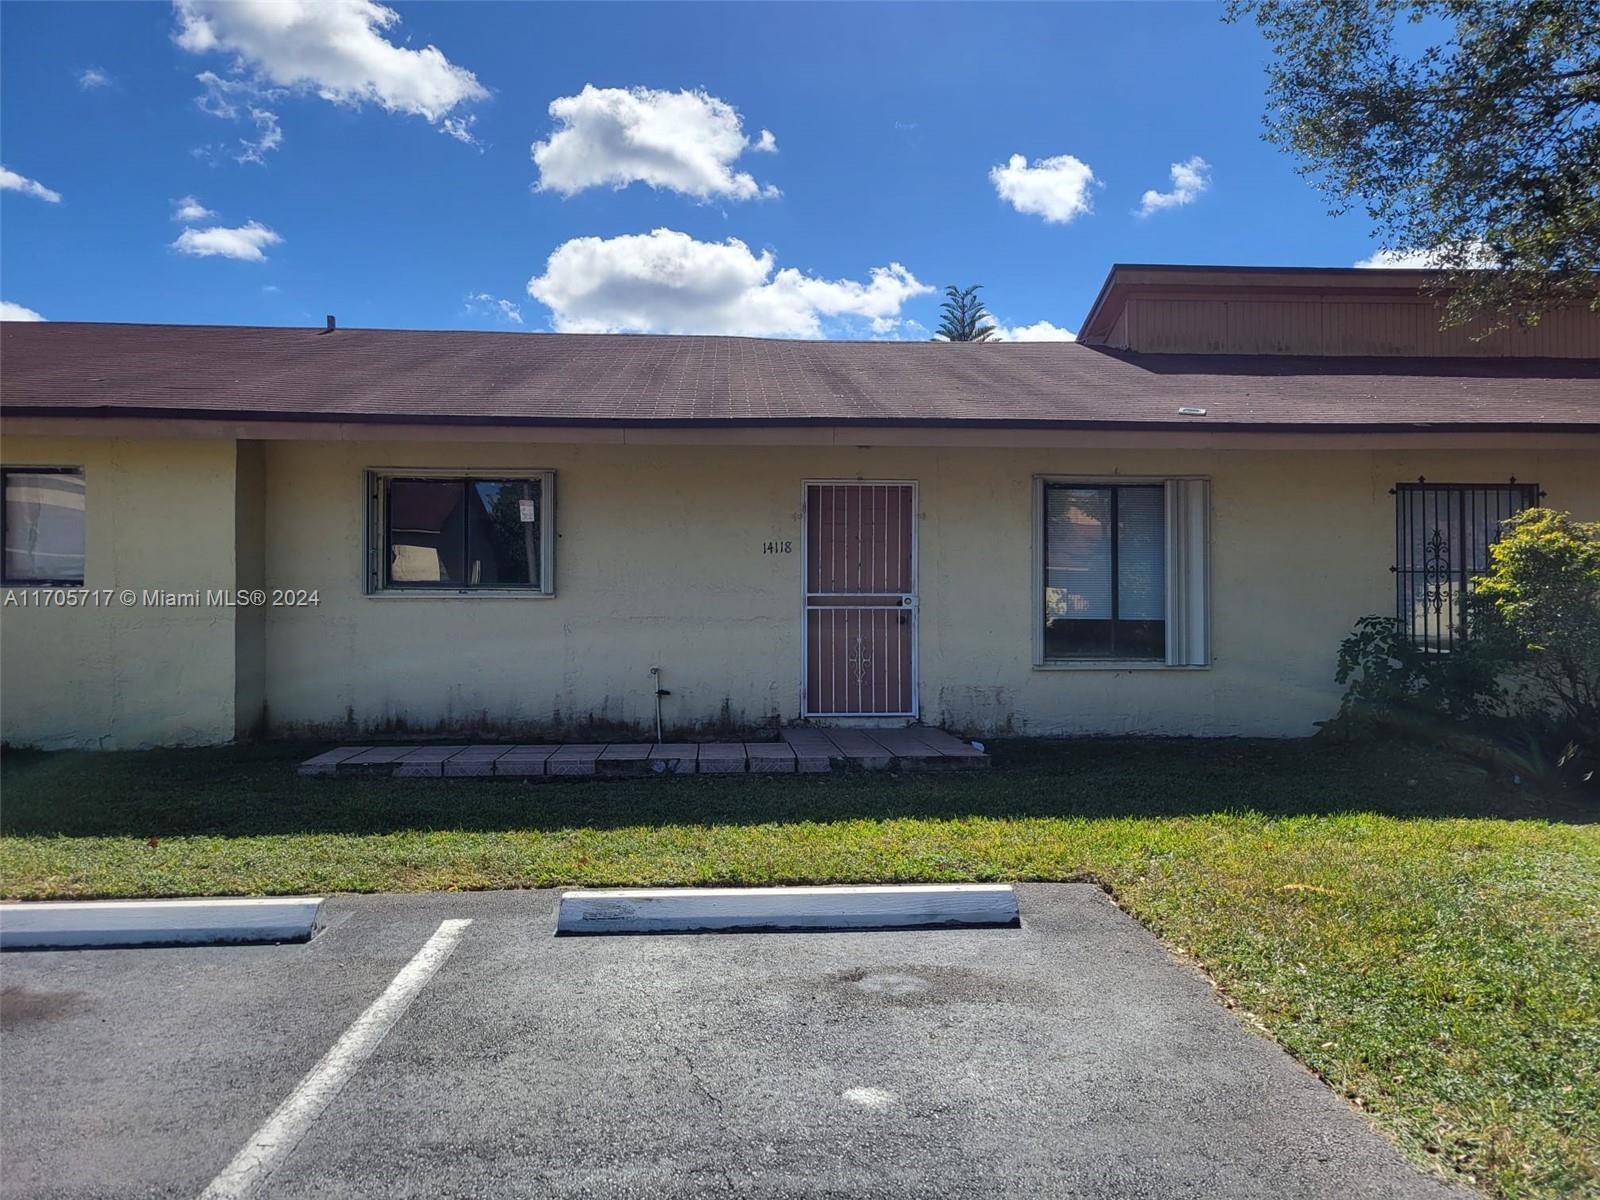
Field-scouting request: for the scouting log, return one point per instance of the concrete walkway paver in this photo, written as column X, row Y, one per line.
column 802, row 748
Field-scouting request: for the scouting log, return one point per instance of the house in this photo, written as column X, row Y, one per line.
column 1164, row 528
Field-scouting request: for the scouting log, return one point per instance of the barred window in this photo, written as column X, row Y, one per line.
column 1443, row 532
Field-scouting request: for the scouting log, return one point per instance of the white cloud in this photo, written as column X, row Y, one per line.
column 232, row 100
column 1474, row 255
column 188, row 209
column 485, row 304
column 1189, row 179
column 686, row 141
column 1056, row 189
column 244, row 242
column 460, row 128
column 222, row 97
column 10, row 181
column 16, row 312
column 268, row 137
column 667, row 282
column 93, row 77
column 333, row 47
column 1397, row 259
column 1039, row 331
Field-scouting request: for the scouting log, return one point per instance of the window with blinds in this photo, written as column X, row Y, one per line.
column 1122, row 572
column 1443, row 532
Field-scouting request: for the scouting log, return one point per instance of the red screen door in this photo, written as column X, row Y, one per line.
column 861, row 600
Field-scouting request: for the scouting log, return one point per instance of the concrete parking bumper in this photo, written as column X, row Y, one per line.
column 709, row 910
column 107, row 923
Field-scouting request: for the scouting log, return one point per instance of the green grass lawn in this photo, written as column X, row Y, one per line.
column 1426, row 939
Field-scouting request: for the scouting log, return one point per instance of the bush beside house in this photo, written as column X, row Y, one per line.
column 1523, row 693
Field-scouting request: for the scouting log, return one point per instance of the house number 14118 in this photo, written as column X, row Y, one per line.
column 777, row 547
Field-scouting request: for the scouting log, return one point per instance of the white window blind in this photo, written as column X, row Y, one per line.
column 1078, row 553
column 1188, row 572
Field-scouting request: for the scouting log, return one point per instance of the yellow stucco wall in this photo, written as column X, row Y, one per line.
column 660, row 562
column 250, row 622
column 158, row 515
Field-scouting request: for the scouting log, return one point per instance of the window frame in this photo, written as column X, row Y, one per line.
column 375, row 501
column 6, row 579
column 1187, row 530
column 1414, row 580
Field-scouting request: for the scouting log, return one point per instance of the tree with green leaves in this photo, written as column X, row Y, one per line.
column 963, row 316
column 1469, row 130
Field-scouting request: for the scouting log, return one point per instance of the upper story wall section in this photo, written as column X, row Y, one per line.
column 1335, row 311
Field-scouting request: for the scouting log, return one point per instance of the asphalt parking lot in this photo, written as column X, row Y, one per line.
column 1074, row 1056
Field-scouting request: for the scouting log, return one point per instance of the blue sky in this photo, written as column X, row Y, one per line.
column 393, row 185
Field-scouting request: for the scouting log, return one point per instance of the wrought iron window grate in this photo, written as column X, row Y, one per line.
column 1443, row 532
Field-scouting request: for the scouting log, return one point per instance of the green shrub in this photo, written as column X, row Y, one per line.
column 1538, row 611
column 1387, row 676
column 1522, row 692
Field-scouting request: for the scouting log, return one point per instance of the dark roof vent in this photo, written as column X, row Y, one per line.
column 331, row 324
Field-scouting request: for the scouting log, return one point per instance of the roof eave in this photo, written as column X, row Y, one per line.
column 1186, row 426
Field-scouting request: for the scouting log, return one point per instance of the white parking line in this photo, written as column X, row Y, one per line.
column 293, row 1118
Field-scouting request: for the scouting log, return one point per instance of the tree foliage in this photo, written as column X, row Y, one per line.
column 963, row 317
column 1468, row 129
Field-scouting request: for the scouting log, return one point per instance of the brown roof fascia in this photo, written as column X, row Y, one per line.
column 362, row 418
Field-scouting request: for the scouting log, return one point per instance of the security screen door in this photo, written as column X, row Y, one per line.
column 861, row 600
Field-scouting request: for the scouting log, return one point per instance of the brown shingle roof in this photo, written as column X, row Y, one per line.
column 62, row 368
